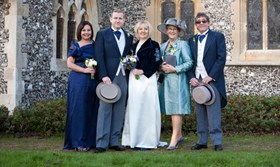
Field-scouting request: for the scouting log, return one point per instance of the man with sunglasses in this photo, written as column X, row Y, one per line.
column 209, row 53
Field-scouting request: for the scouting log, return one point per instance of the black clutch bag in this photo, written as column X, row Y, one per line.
column 170, row 60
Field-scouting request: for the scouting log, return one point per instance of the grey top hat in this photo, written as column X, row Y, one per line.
column 204, row 94
column 173, row 22
column 109, row 93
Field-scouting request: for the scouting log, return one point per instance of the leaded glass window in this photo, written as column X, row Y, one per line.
column 254, row 25
column 59, row 34
column 263, row 26
column 71, row 26
column 273, row 23
column 168, row 11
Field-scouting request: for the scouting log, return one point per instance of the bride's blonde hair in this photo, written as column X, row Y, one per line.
column 145, row 22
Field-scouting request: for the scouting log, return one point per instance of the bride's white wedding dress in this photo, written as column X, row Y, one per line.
column 142, row 118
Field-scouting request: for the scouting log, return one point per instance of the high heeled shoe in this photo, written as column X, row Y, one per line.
column 82, row 149
column 179, row 141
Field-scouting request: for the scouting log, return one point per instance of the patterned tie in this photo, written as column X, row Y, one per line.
column 201, row 37
column 118, row 34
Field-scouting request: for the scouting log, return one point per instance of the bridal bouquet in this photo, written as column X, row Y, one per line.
column 129, row 62
column 91, row 63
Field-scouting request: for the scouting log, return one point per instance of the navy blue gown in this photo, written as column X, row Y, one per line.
column 82, row 102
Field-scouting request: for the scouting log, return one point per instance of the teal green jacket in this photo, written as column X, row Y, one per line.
column 174, row 92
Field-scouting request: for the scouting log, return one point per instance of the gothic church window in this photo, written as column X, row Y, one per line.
column 71, row 25
column 84, row 9
column 85, row 17
column 59, row 34
column 186, row 13
column 168, row 11
column 84, row 6
column 273, row 20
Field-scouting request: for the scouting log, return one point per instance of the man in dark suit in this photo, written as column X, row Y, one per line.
column 209, row 52
column 111, row 45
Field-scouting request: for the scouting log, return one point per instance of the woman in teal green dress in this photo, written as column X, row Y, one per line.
column 174, row 92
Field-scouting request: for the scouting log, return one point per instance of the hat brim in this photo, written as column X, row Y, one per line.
column 112, row 97
column 162, row 28
column 211, row 91
column 213, row 97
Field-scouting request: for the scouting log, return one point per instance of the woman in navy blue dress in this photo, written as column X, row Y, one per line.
column 82, row 102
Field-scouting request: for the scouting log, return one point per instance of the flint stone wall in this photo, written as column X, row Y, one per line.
column 134, row 10
column 220, row 13
column 253, row 80
column 40, row 82
column 4, row 38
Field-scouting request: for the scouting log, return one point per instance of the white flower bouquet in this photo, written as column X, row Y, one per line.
column 91, row 63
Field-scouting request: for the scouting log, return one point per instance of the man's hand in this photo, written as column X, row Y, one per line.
column 206, row 80
column 106, row 80
column 194, row 82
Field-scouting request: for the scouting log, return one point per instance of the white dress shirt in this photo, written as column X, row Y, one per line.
column 200, row 69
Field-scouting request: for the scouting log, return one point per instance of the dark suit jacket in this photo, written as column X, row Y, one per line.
column 107, row 52
column 214, row 60
column 149, row 57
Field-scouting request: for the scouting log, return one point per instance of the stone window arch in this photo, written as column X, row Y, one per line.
column 84, row 17
column 59, row 33
column 71, row 24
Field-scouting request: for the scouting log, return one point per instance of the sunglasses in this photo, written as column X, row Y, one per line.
column 199, row 22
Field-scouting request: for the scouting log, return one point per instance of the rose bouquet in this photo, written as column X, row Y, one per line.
column 91, row 63
column 129, row 62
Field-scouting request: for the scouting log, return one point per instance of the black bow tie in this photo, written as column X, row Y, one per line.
column 118, row 34
column 201, row 37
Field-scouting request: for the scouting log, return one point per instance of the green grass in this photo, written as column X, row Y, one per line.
column 239, row 150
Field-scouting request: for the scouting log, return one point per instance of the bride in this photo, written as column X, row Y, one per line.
column 142, row 118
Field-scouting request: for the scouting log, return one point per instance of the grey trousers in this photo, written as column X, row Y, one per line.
column 208, row 118
column 110, row 117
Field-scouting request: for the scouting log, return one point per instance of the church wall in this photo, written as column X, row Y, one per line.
column 7, row 72
column 40, row 81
